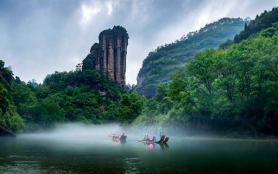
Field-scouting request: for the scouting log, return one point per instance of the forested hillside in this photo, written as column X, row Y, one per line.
column 76, row 96
column 228, row 89
column 159, row 64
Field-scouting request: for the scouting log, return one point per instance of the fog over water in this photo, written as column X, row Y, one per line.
column 81, row 148
column 88, row 134
column 76, row 133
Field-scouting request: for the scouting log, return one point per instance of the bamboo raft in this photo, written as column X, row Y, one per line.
column 163, row 140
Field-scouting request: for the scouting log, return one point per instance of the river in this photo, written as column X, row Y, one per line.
column 83, row 149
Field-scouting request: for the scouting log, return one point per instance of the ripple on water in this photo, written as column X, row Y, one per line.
column 131, row 165
column 29, row 165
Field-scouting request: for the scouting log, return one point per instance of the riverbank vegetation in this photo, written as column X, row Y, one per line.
column 228, row 89
column 76, row 96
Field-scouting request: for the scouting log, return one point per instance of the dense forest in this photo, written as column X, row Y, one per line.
column 76, row 96
column 227, row 89
column 161, row 63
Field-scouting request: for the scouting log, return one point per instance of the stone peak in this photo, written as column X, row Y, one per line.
column 115, row 31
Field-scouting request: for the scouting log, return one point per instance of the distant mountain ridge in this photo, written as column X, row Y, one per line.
column 159, row 64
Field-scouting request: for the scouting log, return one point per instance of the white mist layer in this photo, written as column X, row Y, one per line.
column 76, row 133
column 79, row 135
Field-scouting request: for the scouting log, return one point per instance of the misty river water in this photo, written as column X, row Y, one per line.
column 80, row 149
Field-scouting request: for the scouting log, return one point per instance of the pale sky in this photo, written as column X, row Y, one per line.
column 38, row 37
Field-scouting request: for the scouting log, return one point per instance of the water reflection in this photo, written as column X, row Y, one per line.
column 164, row 146
column 149, row 146
column 152, row 146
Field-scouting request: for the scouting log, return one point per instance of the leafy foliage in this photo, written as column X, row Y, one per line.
column 226, row 89
column 8, row 115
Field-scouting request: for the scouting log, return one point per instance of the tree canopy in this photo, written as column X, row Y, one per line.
column 225, row 89
column 76, row 96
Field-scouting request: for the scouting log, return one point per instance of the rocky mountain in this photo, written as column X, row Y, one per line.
column 109, row 55
column 161, row 63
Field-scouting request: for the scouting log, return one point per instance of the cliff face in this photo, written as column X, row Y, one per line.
column 109, row 55
column 161, row 63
